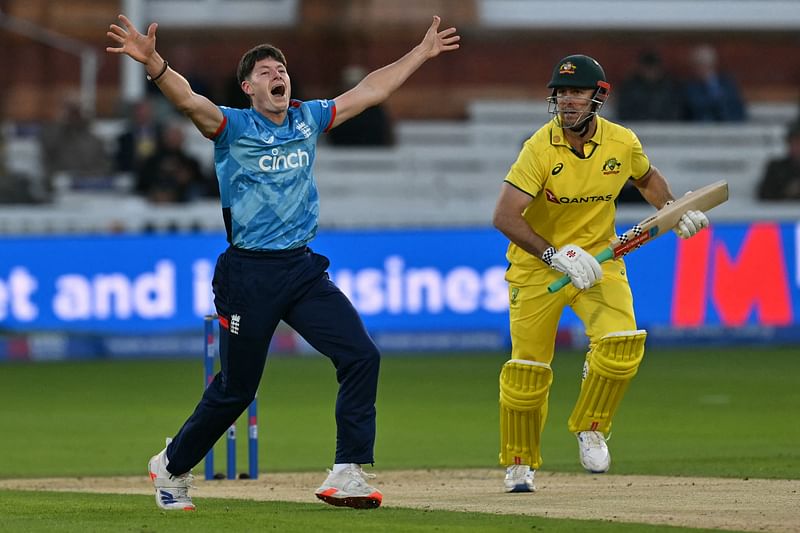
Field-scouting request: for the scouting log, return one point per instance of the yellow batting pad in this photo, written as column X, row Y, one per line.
column 524, row 386
column 613, row 363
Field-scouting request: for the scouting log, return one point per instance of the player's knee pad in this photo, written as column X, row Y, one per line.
column 524, row 387
column 612, row 364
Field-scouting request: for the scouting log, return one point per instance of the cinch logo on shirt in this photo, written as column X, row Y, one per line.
column 278, row 161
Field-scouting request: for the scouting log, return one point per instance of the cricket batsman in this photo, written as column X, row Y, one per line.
column 557, row 208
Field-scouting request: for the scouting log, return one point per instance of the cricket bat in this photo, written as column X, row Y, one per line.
column 657, row 224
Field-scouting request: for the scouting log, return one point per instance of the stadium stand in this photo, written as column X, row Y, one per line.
column 440, row 173
column 448, row 173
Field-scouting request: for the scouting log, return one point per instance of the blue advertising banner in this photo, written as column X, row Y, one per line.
column 421, row 280
column 108, row 284
column 402, row 282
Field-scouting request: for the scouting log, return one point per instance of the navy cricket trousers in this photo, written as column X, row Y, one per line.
column 253, row 291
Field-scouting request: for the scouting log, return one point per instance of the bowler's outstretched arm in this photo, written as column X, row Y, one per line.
column 142, row 48
column 379, row 84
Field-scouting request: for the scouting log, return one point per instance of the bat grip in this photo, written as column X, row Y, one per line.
column 563, row 281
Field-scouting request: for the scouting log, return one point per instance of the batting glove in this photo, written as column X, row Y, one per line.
column 583, row 269
column 690, row 223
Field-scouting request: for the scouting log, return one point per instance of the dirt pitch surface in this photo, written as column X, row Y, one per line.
column 715, row 503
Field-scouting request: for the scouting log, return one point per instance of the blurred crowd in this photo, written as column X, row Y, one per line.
column 707, row 94
column 148, row 155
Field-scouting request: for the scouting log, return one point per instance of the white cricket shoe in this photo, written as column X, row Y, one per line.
column 172, row 492
column 519, row 478
column 349, row 488
column 593, row 451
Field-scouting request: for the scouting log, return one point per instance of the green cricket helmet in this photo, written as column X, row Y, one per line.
column 580, row 72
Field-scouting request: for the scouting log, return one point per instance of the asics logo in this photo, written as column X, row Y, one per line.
column 277, row 160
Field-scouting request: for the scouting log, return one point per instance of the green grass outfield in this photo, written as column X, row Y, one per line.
column 702, row 412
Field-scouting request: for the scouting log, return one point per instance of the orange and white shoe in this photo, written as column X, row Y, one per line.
column 172, row 492
column 349, row 488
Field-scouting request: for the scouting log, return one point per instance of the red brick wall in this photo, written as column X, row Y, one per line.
column 490, row 64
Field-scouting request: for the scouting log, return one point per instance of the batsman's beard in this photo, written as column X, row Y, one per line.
column 580, row 124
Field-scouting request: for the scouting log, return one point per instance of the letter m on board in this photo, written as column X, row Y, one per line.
column 753, row 282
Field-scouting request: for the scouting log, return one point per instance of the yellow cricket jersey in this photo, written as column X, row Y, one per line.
column 573, row 196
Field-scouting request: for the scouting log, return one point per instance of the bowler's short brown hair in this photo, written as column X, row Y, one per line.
column 254, row 55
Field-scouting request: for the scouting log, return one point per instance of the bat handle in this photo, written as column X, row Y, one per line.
column 563, row 281
column 558, row 284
